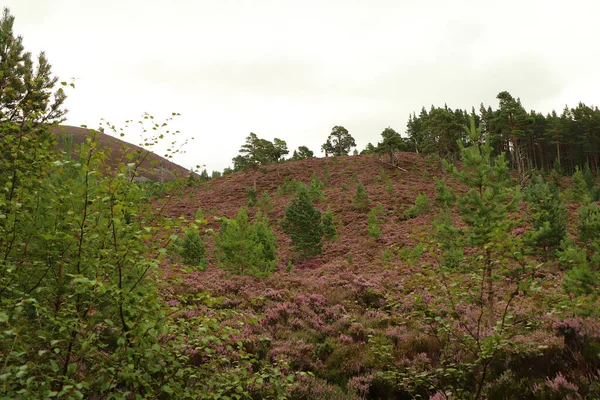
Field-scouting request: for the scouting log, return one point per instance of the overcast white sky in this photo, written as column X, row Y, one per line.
column 294, row 69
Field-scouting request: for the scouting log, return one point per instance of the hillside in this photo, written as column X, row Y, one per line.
column 154, row 167
column 359, row 317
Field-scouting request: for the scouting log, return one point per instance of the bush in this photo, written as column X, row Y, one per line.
column 374, row 221
column 361, row 199
column 264, row 204
column 548, row 214
column 316, row 189
column 421, row 206
column 246, row 248
column 328, row 225
column 579, row 188
column 252, row 196
column 192, row 250
column 288, row 186
column 302, row 224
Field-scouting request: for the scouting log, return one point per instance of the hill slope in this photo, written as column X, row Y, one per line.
column 154, row 167
column 375, row 318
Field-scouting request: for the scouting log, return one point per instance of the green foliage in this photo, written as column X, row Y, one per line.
column 339, row 142
column 421, row 206
column 316, row 189
column 303, row 153
column 251, row 196
column 493, row 254
column 391, row 143
column 328, row 225
column 192, row 250
column 589, row 224
column 259, row 152
column 374, row 221
column 350, row 258
column 288, row 186
column 302, row 224
column 548, row 214
column 361, row 199
column 389, row 187
column 265, row 204
column 215, row 174
column 383, row 176
column 579, row 192
column 246, row 248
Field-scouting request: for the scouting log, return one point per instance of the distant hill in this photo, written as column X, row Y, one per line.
column 154, row 167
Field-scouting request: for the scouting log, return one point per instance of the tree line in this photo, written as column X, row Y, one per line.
column 529, row 140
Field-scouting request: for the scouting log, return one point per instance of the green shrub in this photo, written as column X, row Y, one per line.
column 265, row 204
column 361, row 199
column 588, row 177
column 316, row 189
column 302, row 224
column 288, row 186
column 548, row 214
column 579, row 192
column 192, row 250
column 374, row 221
column 328, row 225
column 421, row 206
column 251, row 196
column 589, row 223
column 246, row 248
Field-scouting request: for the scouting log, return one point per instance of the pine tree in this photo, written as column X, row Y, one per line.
column 316, row 188
column 29, row 106
column 361, row 199
column 548, row 214
column 485, row 211
column 579, row 188
column 373, row 221
column 246, row 248
column 328, row 225
column 302, row 224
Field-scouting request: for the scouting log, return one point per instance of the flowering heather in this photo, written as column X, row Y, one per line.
column 366, row 327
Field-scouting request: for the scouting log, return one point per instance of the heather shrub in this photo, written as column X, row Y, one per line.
column 246, row 248
column 558, row 388
column 326, row 175
column 421, row 206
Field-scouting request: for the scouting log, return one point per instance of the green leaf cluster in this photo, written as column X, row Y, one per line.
column 246, row 248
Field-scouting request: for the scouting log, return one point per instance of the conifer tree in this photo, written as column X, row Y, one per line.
column 246, row 248
column 328, row 225
column 361, row 199
column 579, row 188
column 548, row 214
column 302, row 224
column 485, row 211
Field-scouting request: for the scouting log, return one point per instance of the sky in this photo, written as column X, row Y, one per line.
column 295, row 69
